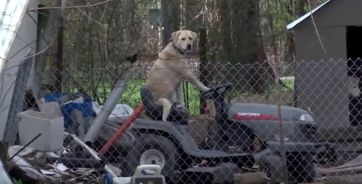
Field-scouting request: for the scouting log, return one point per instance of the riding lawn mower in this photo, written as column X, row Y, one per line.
column 244, row 138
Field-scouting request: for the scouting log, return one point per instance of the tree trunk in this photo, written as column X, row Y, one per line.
column 225, row 31
column 170, row 12
column 59, row 58
column 299, row 7
column 246, row 37
column 193, row 18
column 298, row 11
column 244, row 43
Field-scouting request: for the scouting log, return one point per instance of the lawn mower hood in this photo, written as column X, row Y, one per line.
column 264, row 112
column 263, row 119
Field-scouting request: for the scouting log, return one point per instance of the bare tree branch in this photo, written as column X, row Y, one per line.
column 316, row 29
column 71, row 7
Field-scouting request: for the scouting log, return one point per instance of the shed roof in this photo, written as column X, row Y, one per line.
column 305, row 16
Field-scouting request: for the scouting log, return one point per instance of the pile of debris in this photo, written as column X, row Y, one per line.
column 76, row 163
column 28, row 165
column 51, row 149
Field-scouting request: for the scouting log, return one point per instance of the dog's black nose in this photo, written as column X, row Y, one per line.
column 188, row 47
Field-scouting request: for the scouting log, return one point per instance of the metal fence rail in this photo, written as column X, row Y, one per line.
column 297, row 128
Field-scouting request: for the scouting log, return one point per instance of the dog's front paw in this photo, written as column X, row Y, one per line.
column 205, row 89
column 180, row 105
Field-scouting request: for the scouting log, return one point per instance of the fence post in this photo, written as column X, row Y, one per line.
column 203, row 62
column 281, row 128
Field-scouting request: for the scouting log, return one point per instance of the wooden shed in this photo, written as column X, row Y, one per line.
column 325, row 38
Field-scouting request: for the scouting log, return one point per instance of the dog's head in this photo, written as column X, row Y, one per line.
column 184, row 39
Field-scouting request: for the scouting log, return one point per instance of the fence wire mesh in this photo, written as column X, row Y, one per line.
column 303, row 126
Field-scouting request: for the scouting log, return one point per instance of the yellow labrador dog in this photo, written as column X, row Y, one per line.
column 170, row 69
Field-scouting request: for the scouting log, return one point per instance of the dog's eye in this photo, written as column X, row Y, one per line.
column 183, row 39
column 190, row 38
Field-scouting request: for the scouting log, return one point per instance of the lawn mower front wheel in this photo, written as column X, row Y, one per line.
column 152, row 149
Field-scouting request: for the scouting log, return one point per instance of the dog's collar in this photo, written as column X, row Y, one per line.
column 178, row 49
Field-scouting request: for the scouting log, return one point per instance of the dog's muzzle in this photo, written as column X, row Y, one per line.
column 188, row 47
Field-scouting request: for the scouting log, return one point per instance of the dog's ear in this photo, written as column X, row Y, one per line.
column 194, row 35
column 174, row 36
column 195, row 38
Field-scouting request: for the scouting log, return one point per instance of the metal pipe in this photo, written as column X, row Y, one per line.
column 25, row 146
column 137, row 112
column 103, row 115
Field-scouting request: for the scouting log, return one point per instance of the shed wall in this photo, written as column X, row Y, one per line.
column 339, row 13
column 308, row 46
column 324, row 77
column 322, row 86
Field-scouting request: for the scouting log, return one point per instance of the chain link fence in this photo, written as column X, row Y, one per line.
column 303, row 127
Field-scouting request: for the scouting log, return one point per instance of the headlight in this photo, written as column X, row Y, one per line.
column 306, row 117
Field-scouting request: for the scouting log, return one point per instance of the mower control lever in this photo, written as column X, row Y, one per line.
column 216, row 91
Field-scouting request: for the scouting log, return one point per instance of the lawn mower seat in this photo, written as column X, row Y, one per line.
column 178, row 113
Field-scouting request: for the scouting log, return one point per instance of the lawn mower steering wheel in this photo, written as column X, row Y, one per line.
column 216, row 91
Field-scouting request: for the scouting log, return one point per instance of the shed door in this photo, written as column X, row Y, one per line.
column 354, row 50
column 354, row 55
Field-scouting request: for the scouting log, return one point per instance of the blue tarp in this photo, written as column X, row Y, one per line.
column 86, row 107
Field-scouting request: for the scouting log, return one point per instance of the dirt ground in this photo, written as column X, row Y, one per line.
column 257, row 178
column 343, row 179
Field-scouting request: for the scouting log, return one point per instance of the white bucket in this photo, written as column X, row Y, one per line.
column 51, row 127
column 50, row 108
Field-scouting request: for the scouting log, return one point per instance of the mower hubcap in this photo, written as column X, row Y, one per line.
column 153, row 156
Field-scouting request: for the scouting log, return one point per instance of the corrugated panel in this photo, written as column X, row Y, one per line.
column 11, row 13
